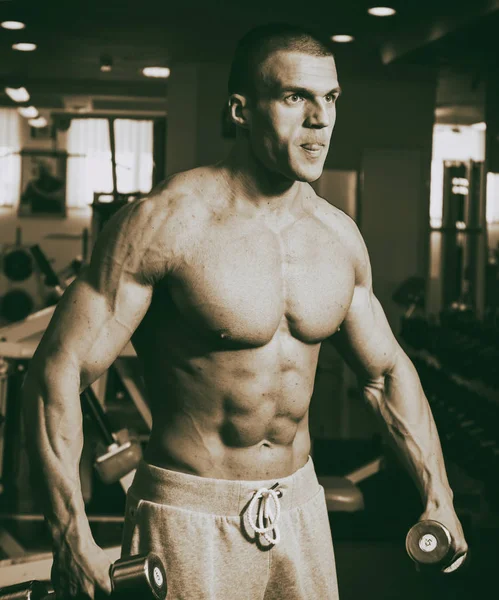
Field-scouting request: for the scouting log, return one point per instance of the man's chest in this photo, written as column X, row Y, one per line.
column 244, row 285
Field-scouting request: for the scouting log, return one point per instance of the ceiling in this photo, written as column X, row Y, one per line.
column 73, row 35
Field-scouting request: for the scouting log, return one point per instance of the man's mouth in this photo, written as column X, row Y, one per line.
column 312, row 147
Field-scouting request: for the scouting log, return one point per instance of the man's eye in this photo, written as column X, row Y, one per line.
column 330, row 98
column 295, row 98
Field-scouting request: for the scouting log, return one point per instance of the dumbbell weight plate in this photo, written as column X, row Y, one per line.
column 17, row 265
column 429, row 543
column 139, row 577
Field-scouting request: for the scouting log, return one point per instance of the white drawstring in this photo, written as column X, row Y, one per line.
column 264, row 511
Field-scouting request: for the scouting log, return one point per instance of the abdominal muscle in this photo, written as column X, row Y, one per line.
column 239, row 414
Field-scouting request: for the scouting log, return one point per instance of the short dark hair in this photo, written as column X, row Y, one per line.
column 258, row 43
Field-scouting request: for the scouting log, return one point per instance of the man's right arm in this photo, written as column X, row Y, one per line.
column 93, row 321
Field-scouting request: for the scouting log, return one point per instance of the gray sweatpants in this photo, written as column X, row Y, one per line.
column 233, row 540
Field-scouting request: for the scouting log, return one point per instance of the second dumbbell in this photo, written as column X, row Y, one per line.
column 430, row 544
column 133, row 577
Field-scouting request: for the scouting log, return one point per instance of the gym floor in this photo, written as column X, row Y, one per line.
column 382, row 571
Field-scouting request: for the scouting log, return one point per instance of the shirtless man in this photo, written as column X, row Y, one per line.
column 227, row 280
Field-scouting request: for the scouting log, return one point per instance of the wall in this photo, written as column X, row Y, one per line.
column 197, row 93
column 391, row 109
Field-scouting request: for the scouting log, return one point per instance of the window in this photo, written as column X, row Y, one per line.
column 89, row 158
column 10, row 159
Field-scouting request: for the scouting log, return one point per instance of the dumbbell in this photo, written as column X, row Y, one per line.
column 429, row 544
column 135, row 577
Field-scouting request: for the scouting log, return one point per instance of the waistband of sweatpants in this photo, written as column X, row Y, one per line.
column 219, row 496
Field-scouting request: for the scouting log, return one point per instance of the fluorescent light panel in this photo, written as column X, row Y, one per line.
column 14, row 25
column 38, row 123
column 158, row 72
column 24, row 46
column 17, row 94
column 28, row 112
column 342, row 39
column 381, row 11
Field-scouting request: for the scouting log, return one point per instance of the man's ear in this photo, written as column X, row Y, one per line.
column 239, row 110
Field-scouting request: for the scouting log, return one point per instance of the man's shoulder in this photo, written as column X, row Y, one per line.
column 345, row 230
column 186, row 194
column 174, row 204
column 333, row 217
column 155, row 230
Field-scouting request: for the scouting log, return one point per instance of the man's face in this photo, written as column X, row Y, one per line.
column 293, row 114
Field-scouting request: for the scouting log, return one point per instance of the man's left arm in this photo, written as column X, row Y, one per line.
column 391, row 386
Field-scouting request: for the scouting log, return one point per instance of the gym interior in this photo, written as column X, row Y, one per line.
column 100, row 101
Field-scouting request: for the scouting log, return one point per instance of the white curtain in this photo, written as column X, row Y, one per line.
column 10, row 159
column 134, row 160
column 89, row 160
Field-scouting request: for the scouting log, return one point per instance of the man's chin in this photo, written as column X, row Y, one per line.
column 305, row 175
column 309, row 176
column 310, row 179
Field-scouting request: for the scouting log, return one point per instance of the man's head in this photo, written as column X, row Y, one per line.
column 283, row 87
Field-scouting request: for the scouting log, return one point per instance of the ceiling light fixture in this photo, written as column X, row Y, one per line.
column 38, row 123
column 342, row 39
column 14, row 25
column 28, row 112
column 106, row 63
column 381, row 11
column 158, row 72
column 24, row 46
column 17, row 94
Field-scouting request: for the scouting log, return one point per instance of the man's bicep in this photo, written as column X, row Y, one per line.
column 89, row 328
column 365, row 339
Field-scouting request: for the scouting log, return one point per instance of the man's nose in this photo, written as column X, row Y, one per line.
column 320, row 115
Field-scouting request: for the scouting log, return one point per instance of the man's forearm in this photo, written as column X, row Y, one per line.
column 401, row 404
column 54, row 435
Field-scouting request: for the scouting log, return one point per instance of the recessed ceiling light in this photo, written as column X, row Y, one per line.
column 106, row 63
column 24, row 47
column 12, row 25
column 381, row 11
column 160, row 72
column 17, row 94
column 38, row 123
column 28, row 112
column 342, row 39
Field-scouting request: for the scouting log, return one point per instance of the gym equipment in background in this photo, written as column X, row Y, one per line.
column 21, row 290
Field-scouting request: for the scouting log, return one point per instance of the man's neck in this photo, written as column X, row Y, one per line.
column 250, row 182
